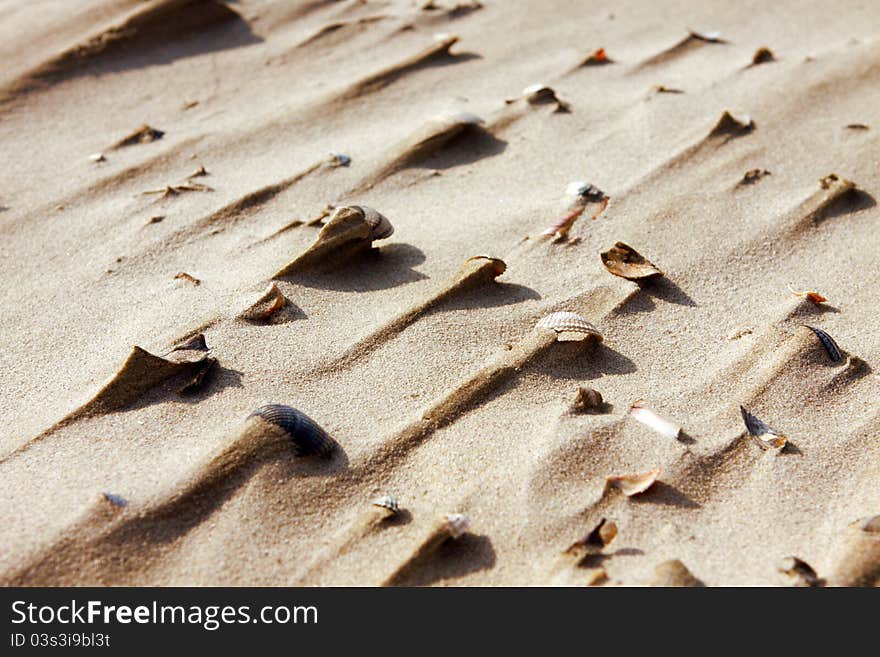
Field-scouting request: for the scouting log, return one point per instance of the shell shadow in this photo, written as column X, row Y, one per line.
column 473, row 144
column 852, row 201
column 493, row 296
column 399, row 519
column 311, row 466
column 666, row 495
column 666, row 290
column 219, row 378
column 469, row 554
column 596, row 560
column 569, row 360
column 379, row 269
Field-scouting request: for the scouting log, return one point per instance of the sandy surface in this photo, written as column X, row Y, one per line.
column 259, row 93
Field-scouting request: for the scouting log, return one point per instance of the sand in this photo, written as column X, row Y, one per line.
column 437, row 386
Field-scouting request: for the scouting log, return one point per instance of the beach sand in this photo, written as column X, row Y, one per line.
column 167, row 161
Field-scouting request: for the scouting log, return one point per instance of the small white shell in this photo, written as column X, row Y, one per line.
column 456, row 524
column 388, row 502
column 97, row 157
column 568, row 322
column 650, row 419
column 585, row 189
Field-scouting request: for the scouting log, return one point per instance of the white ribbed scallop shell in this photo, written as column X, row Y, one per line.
column 567, row 322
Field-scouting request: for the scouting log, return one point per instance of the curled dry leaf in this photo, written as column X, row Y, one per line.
column 633, row 484
column 653, row 421
column 624, row 261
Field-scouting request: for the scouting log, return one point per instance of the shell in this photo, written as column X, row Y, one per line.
column 596, row 539
column 586, row 190
column 809, row 295
column 588, row 400
column 195, row 343
column 624, row 261
column 633, row 484
column 340, row 159
column 752, row 176
column 828, row 342
column 456, row 524
column 762, row 55
column 763, row 434
column 711, row 37
column 388, row 502
column 540, row 94
column 97, row 157
column 674, row 573
column 116, row 500
column 498, row 265
column 267, row 304
column 799, row 571
column 597, row 58
column 567, row 322
column 650, row 419
column 305, row 434
column 379, row 224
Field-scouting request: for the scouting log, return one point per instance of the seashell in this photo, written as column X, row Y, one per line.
column 588, row 400
column 567, row 322
column 195, row 343
column 305, row 434
column 456, row 524
column 340, row 159
column 674, row 573
column 828, row 342
column 197, row 380
column 97, row 157
column 763, row 434
column 815, row 297
column 155, row 219
column 597, row 58
column 115, row 500
column 624, row 261
column 585, row 190
column 266, row 305
column 539, row 94
column 182, row 275
column 596, row 539
column 633, row 484
column 828, row 181
column 379, row 224
column 653, row 421
column 752, row 176
column 711, row 37
column 762, row 55
column 388, row 502
column 799, row 572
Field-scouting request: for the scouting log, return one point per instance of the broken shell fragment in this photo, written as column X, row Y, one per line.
column 588, row 400
column 195, row 343
column 752, row 176
column 762, row 56
column 765, row 436
column 597, row 58
column 456, row 524
column 674, row 573
column 115, row 500
column 585, row 190
column 815, row 297
column 624, row 261
column 340, row 159
column 828, row 342
column 584, row 193
column 539, row 94
column 349, row 231
column 97, row 157
column 799, row 572
column 304, row 433
column 197, row 381
column 267, row 304
column 653, row 421
column 711, row 37
column 633, row 484
column 595, row 540
column 569, row 323
column 388, row 502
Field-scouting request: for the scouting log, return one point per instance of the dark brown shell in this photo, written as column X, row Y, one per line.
column 305, row 434
column 624, row 261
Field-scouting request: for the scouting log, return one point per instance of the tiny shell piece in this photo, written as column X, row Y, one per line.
column 269, row 302
column 624, row 261
column 567, row 322
column 762, row 55
column 388, row 502
column 305, row 434
column 828, row 342
column 653, row 421
column 633, row 484
column 765, row 436
column 115, row 500
column 596, row 539
column 456, row 524
column 182, row 275
column 340, row 159
column 97, row 157
column 586, row 190
column 799, row 572
column 539, row 94
column 711, row 37
column 752, row 176
column 588, row 400
column 815, row 297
